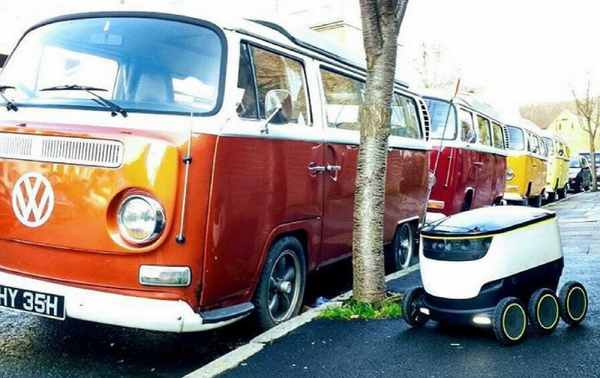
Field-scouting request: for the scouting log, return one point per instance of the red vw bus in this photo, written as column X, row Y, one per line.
column 168, row 172
column 471, row 143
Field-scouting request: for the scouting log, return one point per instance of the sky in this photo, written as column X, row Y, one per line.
column 517, row 51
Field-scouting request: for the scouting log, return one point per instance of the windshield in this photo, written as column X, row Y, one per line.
column 587, row 156
column 516, row 139
column 438, row 111
column 574, row 163
column 142, row 64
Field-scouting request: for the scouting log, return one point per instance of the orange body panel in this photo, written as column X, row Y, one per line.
column 80, row 243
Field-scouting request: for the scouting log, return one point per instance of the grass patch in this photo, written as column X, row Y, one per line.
column 390, row 308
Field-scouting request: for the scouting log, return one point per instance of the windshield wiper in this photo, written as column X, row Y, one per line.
column 115, row 109
column 9, row 104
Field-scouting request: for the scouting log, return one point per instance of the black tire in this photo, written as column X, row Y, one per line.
column 586, row 188
column 535, row 201
column 411, row 305
column 278, row 284
column 562, row 192
column 551, row 197
column 510, row 321
column 573, row 302
column 402, row 248
column 543, row 311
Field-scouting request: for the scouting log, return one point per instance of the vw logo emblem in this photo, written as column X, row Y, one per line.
column 32, row 199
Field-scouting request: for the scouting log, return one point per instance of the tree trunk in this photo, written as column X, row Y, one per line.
column 381, row 21
column 367, row 241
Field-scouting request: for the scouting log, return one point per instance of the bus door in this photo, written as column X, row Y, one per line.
column 262, row 177
column 485, row 164
column 342, row 98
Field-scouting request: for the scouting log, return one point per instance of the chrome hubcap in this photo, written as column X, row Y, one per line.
column 284, row 282
column 406, row 245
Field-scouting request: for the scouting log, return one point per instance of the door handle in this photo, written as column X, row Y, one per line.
column 314, row 168
column 534, row 165
column 333, row 168
column 479, row 164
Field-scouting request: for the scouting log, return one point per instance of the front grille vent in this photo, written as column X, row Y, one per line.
column 426, row 122
column 50, row 149
column 506, row 140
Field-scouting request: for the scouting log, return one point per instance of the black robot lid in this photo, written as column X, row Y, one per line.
column 487, row 221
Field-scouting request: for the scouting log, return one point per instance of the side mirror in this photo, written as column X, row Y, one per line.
column 561, row 153
column 279, row 107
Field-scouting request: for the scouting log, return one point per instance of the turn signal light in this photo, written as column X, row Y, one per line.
column 155, row 275
column 438, row 205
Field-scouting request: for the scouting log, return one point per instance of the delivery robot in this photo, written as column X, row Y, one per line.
column 495, row 266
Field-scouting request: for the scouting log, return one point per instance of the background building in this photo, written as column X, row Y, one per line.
column 568, row 125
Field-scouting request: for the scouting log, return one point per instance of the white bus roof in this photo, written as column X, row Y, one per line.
column 465, row 99
column 553, row 135
column 527, row 125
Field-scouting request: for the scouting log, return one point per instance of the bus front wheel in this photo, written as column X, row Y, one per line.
column 280, row 290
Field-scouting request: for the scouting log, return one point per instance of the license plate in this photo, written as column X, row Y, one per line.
column 43, row 304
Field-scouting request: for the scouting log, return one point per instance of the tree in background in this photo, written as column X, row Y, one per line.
column 588, row 108
column 435, row 68
column 381, row 20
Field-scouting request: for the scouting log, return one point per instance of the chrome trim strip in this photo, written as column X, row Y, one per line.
column 471, row 146
column 51, row 149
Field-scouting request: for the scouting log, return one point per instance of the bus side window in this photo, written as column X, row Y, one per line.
column 274, row 71
column 542, row 147
column 343, row 96
column 484, row 131
column 247, row 105
column 467, row 129
column 535, row 149
column 404, row 121
column 498, row 135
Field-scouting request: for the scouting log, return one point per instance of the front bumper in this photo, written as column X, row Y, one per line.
column 121, row 310
column 454, row 311
column 431, row 217
column 512, row 196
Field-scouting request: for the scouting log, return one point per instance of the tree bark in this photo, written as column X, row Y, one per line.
column 381, row 25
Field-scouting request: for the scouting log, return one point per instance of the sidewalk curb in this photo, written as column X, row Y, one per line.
column 241, row 354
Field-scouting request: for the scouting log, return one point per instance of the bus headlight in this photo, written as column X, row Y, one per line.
column 141, row 219
column 510, row 174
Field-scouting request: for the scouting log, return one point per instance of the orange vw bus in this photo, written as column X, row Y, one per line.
column 176, row 173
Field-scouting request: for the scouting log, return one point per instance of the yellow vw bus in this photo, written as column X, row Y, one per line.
column 527, row 161
column 557, row 176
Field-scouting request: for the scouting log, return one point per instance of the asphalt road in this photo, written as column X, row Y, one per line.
column 390, row 348
column 37, row 347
